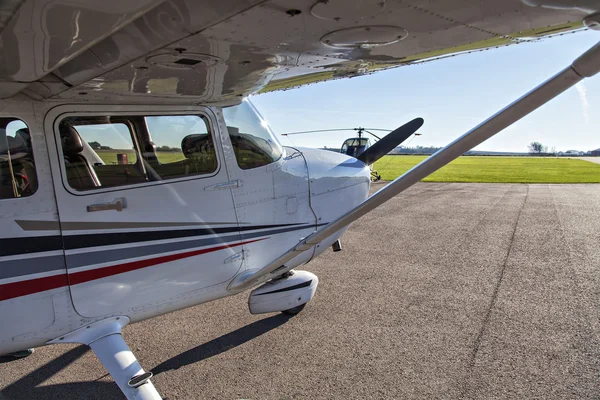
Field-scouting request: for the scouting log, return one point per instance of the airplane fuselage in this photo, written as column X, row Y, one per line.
column 149, row 235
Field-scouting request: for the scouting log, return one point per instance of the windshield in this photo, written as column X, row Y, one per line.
column 253, row 142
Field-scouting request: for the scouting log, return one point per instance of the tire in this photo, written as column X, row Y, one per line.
column 295, row 310
column 21, row 353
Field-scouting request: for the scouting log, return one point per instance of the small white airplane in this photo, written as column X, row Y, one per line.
column 90, row 244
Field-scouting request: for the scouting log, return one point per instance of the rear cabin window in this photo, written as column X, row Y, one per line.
column 17, row 167
column 253, row 142
column 110, row 151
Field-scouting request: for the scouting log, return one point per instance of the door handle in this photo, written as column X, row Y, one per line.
column 117, row 205
column 225, row 185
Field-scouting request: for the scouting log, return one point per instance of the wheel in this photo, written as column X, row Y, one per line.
column 295, row 310
column 21, row 353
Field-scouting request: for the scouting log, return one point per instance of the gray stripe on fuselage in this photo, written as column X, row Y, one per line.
column 275, row 231
column 27, row 266
column 28, row 225
column 104, row 256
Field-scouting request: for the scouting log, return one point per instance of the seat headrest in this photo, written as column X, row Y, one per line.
column 233, row 131
column 8, row 144
column 71, row 141
column 194, row 144
column 15, row 144
column 22, row 141
column 23, row 133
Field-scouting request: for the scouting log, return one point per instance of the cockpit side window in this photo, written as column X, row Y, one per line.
column 253, row 142
column 183, row 145
column 18, row 177
column 106, row 151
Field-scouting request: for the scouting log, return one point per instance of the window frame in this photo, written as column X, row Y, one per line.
column 118, row 111
column 35, row 166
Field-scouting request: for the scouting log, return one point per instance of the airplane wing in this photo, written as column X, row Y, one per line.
column 210, row 51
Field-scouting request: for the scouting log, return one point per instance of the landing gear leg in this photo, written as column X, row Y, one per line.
column 104, row 338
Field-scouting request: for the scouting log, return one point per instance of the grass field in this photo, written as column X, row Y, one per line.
column 464, row 169
column 110, row 156
column 497, row 169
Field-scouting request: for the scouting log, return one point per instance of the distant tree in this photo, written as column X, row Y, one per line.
column 415, row 150
column 167, row 148
column 95, row 145
column 105, row 148
column 537, row 148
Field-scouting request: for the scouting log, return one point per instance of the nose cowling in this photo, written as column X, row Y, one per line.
column 337, row 183
column 331, row 172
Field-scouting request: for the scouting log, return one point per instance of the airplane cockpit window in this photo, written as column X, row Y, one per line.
column 108, row 151
column 253, row 142
column 17, row 168
column 183, row 145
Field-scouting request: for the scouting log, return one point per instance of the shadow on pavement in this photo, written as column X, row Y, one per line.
column 27, row 386
column 222, row 344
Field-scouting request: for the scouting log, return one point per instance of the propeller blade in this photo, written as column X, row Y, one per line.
column 390, row 141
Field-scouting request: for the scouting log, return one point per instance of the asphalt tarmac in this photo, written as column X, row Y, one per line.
column 453, row 291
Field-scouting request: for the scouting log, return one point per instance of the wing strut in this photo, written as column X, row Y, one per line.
column 587, row 65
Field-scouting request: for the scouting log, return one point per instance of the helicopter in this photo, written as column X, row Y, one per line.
column 355, row 146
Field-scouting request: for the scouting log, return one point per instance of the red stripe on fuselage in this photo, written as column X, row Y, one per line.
column 31, row 286
column 98, row 273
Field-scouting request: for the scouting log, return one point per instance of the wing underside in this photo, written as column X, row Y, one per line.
column 218, row 51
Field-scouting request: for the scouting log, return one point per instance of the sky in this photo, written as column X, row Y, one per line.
column 452, row 95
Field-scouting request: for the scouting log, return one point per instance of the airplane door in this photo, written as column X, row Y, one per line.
column 145, row 206
column 274, row 191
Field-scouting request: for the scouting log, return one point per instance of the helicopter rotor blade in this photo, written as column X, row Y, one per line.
column 390, row 141
column 320, row 130
column 371, row 133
